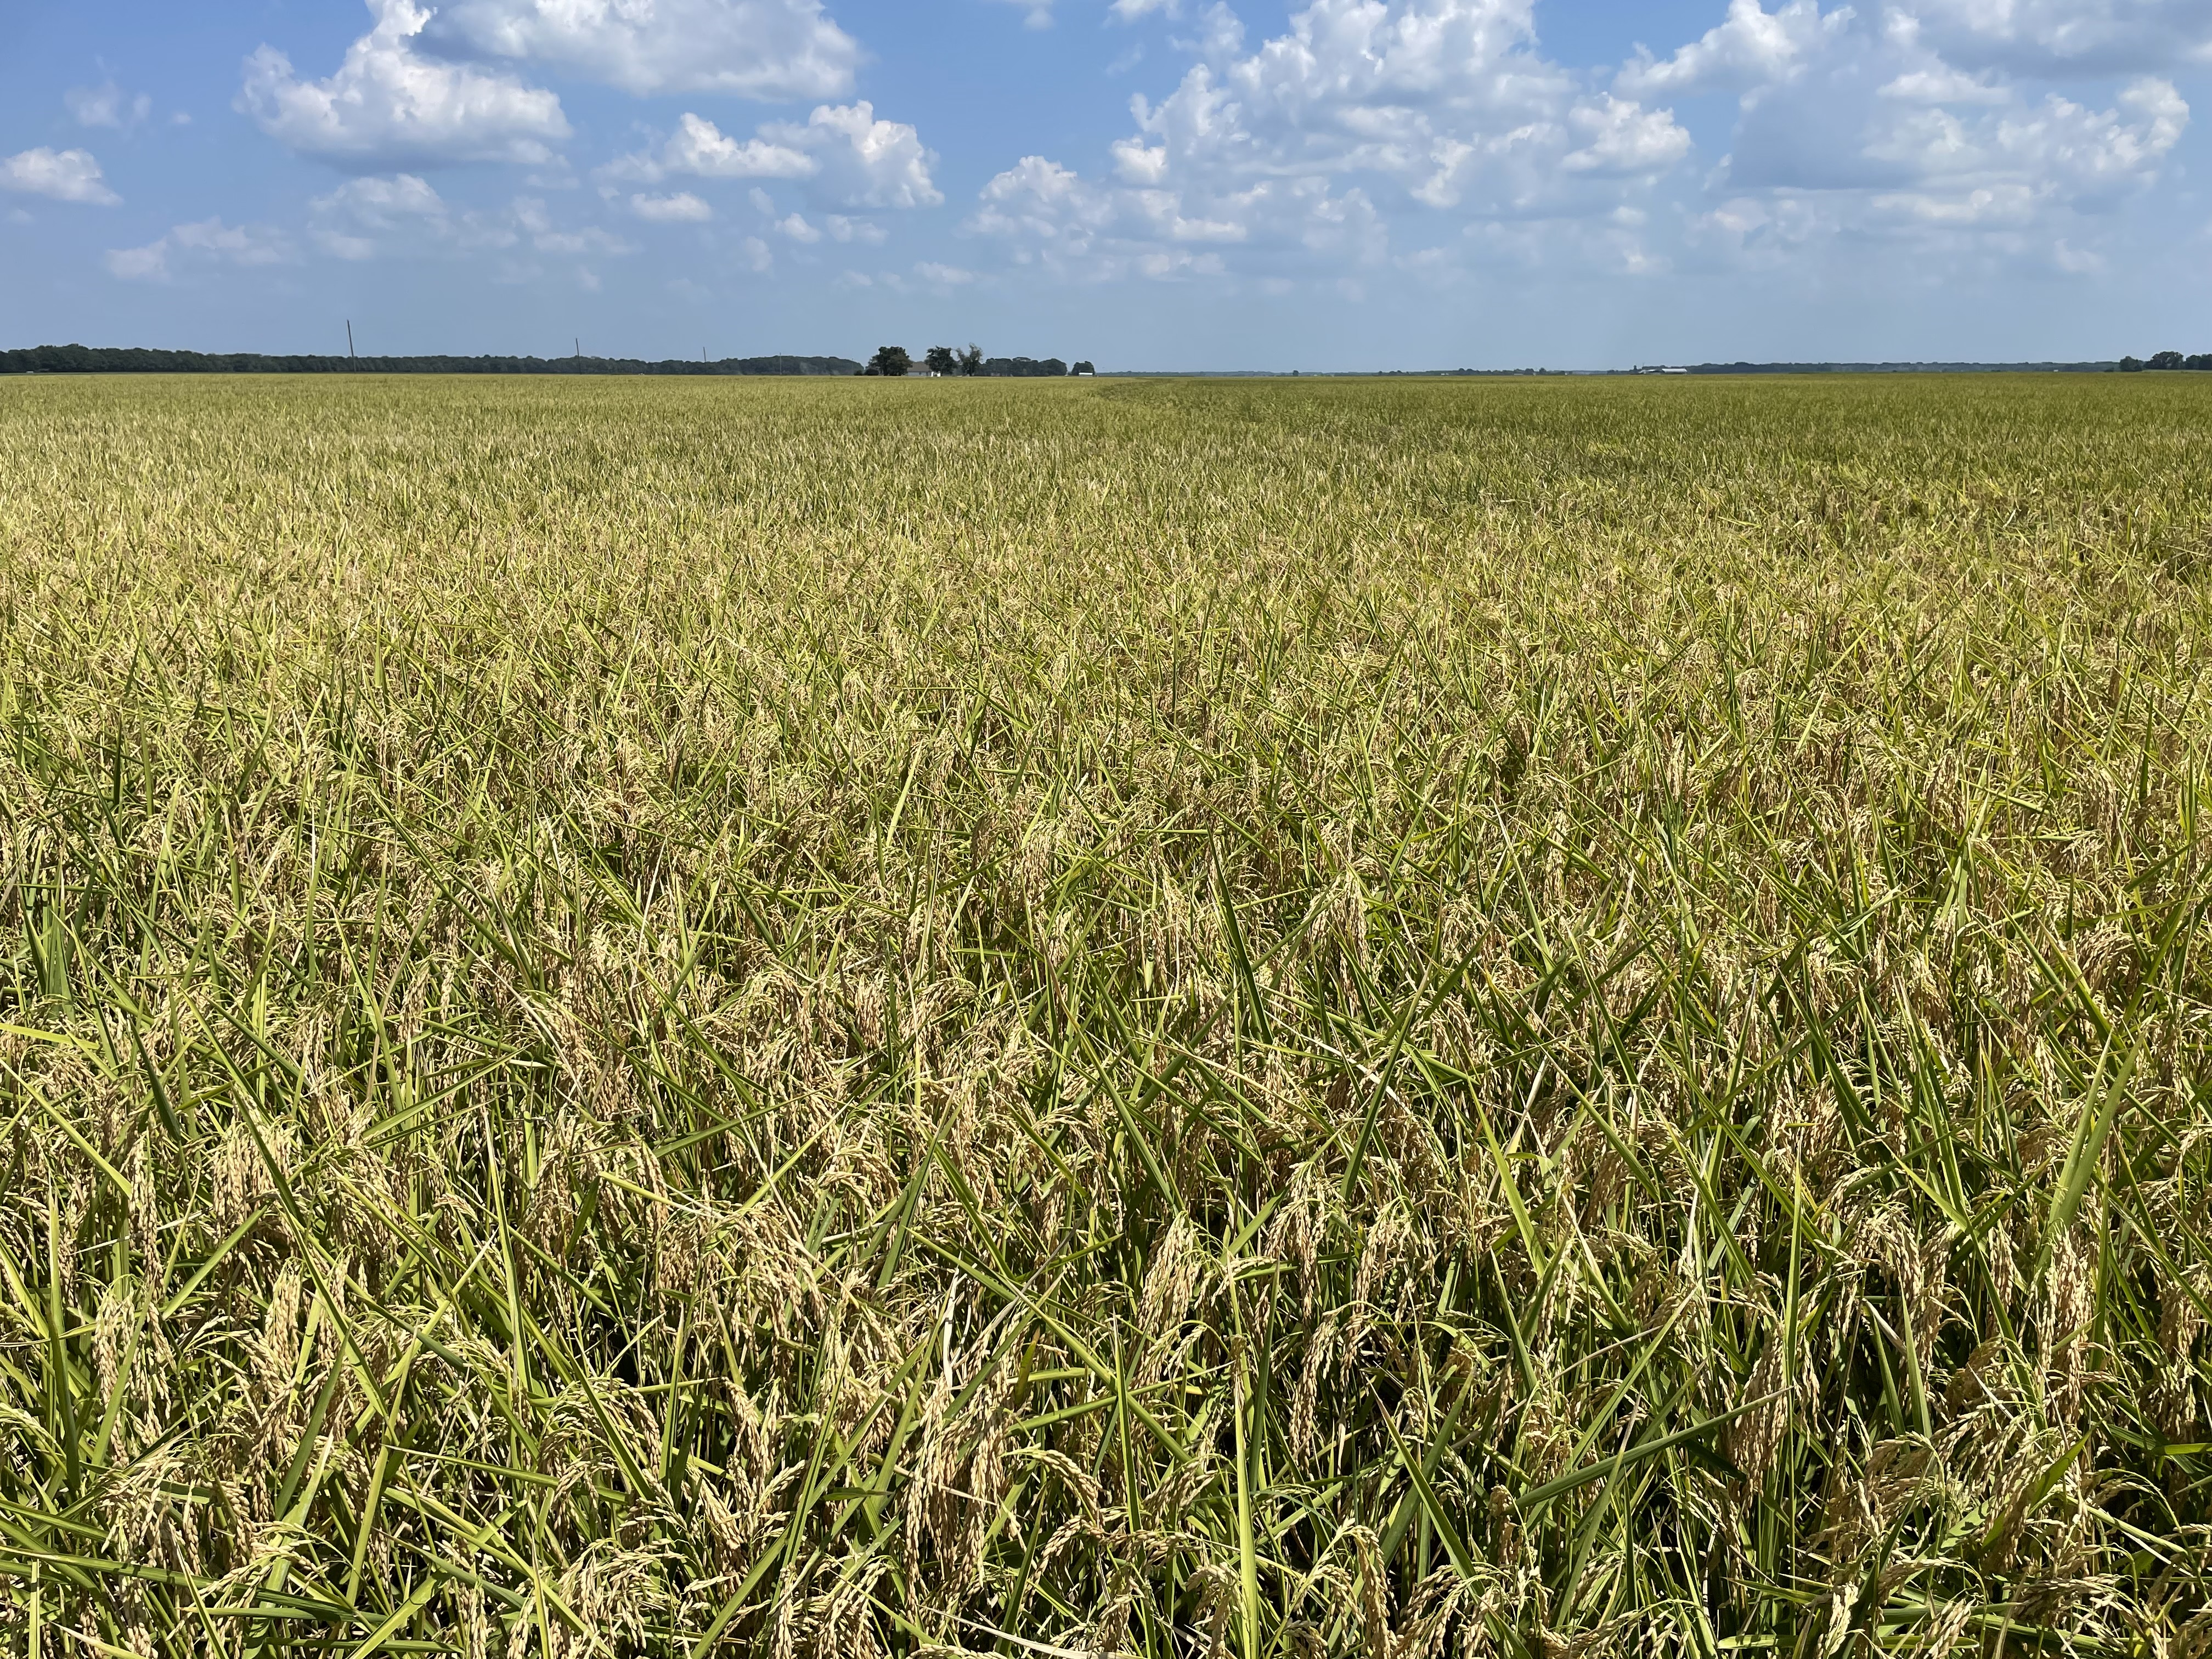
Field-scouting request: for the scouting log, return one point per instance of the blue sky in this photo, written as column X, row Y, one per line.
column 1150, row 183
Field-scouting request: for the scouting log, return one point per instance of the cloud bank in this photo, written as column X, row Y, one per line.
column 1434, row 134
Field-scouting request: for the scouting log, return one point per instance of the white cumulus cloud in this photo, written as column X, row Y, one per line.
column 680, row 207
column 400, row 216
column 701, row 149
column 1754, row 47
column 209, row 242
column 590, row 239
column 844, row 154
column 390, row 103
column 149, row 264
column 531, row 217
column 403, row 216
column 865, row 163
column 764, row 49
column 1619, row 137
column 66, row 175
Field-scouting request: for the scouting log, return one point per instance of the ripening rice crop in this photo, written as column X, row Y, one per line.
column 1169, row 1018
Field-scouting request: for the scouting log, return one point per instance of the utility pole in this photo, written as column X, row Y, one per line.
column 350, row 350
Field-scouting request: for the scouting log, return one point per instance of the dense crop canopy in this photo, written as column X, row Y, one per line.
column 651, row 1017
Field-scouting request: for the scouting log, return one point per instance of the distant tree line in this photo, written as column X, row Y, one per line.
column 133, row 359
column 1893, row 368
column 2166, row 359
column 944, row 360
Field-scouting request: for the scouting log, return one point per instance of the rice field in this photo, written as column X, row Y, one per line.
column 1138, row 1017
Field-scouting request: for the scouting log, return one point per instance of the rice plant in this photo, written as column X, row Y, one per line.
column 1165, row 1019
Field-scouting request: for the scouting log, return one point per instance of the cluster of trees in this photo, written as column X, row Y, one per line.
column 944, row 360
column 134, row 359
column 2166, row 359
